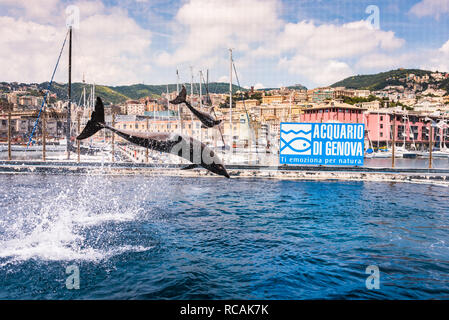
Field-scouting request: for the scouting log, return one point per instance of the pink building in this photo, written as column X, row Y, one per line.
column 410, row 127
column 333, row 113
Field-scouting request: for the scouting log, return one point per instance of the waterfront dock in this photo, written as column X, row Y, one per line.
column 405, row 175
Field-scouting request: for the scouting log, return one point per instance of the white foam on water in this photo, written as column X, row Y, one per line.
column 97, row 219
column 54, row 232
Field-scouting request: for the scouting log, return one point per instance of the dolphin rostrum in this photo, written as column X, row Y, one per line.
column 207, row 120
column 186, row 147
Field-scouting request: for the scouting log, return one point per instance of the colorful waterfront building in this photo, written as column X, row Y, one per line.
column 411, row 128
column 333, row 112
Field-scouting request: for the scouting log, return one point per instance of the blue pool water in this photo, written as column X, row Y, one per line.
column 180, row 238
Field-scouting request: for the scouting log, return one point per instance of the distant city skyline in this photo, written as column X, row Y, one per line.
column 276, row 43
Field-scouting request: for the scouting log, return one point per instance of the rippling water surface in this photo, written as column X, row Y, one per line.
column 174, row 238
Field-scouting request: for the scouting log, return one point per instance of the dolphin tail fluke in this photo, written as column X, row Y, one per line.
column 96, row 123
column 181, row 98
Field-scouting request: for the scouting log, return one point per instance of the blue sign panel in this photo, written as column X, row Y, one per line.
column 338, row 144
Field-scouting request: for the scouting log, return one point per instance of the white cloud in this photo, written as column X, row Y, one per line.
column 88, row 8
column 37, row 10
column 223, row 79
column 445, row 48
column 331, row 41
column 437, row 59
column 113, row 48
column 426, row 59
column 259, row 86
column 205, row 29
column 109, row 47
column 205, row 26
column 434, row 8
column 321, row 72
column 382, row 61
column 28, row 49
column 321, row 52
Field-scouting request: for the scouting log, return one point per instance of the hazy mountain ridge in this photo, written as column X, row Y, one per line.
column 381, row 80
column 119, row 94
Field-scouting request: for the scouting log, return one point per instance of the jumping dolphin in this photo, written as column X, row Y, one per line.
column 207, row 120
column 186, row 147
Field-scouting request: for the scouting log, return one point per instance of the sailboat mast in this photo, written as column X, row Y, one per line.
column 230, row 97
column 201, row 91
column 201, row 102
column 177, row 81
column 405, row 130
column 91, row 103
column 207, row 87
column 378, row 129
column 191, row 84
column 168, row 99
column 290, row 111
column 179, row 106
column 69, row 106
column 393, row 142
column 84, row 93
column 191, row 98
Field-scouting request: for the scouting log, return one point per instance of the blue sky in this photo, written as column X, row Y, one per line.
column 275, row 42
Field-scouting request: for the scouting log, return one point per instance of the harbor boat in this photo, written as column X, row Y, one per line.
column 382, row 154
column 440, row 154
column 369, row 154
column 410, row 155
column 402, row 152
column 435, row 154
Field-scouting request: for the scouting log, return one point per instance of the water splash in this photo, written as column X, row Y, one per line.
column 67, row 226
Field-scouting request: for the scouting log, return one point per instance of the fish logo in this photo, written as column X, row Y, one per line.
column 296, row 139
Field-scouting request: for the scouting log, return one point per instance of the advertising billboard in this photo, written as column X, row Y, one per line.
column 338, row 144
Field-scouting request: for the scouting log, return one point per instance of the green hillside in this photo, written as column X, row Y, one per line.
column 106, row 93
column 380, row 80
column 119, row 94
column 445, row 85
